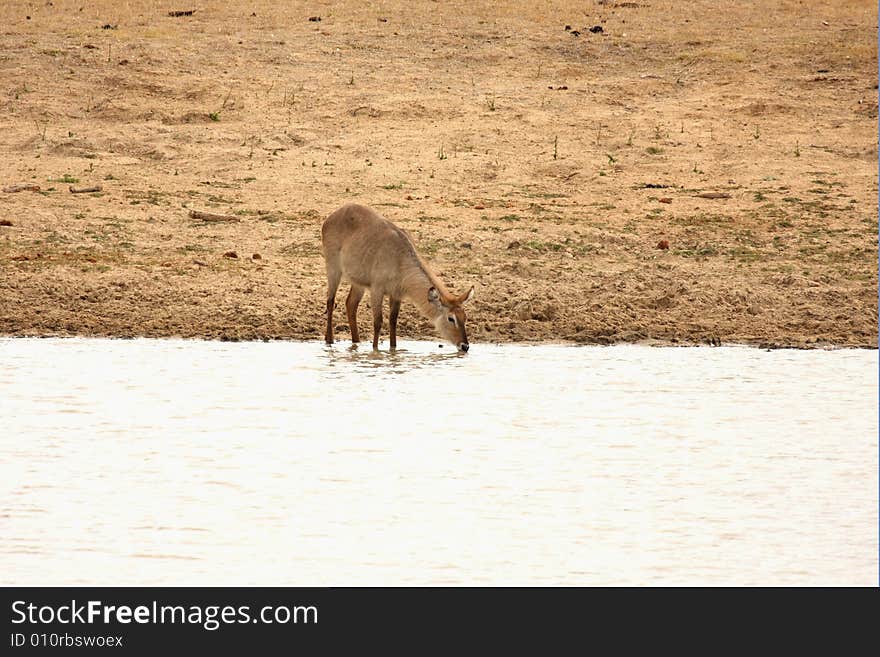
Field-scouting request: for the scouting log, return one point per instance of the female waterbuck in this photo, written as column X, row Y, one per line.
column 371, row 252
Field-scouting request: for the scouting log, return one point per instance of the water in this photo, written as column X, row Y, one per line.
column 176, row 462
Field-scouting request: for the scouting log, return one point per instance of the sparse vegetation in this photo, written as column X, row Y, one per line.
column 570, row 195
column 66, row 178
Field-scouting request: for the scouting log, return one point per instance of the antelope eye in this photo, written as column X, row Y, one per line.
column 451, row 319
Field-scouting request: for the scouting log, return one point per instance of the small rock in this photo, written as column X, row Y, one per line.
column 523, row 311
column 464, row 245
column 230, row 254
column 575, row 33
column 315, row 19
column 665, row 199
column 5, row 222
column 514, row 245
column 596, row 29
column 256, row 256
column 568, row 28
column 479, row 207
column 663, row 244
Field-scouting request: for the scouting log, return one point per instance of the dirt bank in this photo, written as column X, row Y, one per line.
column 546, row 167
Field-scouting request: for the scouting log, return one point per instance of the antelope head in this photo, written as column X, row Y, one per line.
column 449, row 316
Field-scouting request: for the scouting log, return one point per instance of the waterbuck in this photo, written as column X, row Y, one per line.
column 369, row 251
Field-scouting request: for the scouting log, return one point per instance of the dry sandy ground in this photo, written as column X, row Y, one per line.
column 541, row 165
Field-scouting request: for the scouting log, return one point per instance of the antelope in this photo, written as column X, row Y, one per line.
column 370, row 252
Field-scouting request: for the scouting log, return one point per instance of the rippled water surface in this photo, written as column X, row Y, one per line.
column 186, row 462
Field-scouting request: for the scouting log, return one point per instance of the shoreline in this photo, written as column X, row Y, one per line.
column 383, row 346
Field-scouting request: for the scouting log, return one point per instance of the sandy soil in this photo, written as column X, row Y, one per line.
column 545, row 165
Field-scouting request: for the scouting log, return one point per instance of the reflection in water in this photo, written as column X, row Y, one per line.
column 189, row 462
column 398, row 361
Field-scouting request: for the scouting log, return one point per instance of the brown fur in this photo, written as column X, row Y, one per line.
column 370, row 252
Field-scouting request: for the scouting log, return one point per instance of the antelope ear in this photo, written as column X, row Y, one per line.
column 467, row 297
column 433, row 295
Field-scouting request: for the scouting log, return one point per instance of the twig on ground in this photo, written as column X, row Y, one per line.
column 712, row 195
column 23, row 187
column 211, row 217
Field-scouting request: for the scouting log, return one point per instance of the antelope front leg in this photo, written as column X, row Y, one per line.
column 392, row 320
column 376, row 302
